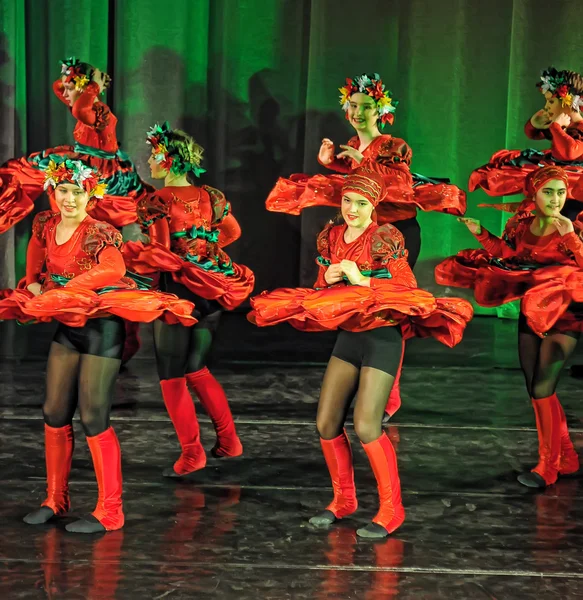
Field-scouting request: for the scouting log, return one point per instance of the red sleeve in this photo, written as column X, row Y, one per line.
column 388, row 250
column 574, row 244
column 110, row 269
column 564, row 146
column 323, row 261
column 496, row 246
column 340, row 165
column 532, row 132
column 58, row 91
column 159, row 232
column 220, row 207
column 229, row 231
column 35, row 259
column 152, row 208
column 84, row 107
column 391, row 152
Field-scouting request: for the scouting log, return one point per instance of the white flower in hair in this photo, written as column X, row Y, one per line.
column 546, row 86
column 363, row 82
column 81, row 172
column 50, row 182
column 577, row 103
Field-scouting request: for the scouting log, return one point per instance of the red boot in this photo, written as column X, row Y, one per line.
column 108, row 514
column 547, row 412
column 214, row 401
column 181, row 410
column 338, row 456
column 394, row 402
column 391, row 514
column 569, row 458
column 59, row 444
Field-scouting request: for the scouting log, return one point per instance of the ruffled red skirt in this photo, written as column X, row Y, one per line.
column 357, row 308
column 74, row 306
column 22, row 182
column 549, row 295
column 300, row 191
column 507, row 170
column 229, row 288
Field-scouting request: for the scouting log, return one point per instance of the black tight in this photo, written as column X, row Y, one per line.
column 543, row 359
column 83, row 380
column 342, row 381
column 181, row 350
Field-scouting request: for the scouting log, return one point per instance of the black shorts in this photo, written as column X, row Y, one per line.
column 523, row 327
column 202, row 307
column 99, row 337
column 377, row 348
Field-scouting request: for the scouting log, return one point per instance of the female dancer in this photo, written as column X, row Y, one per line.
column 22, row 179
column 366, row 289
column 561, row 123
column 369, row 107
column 85, row 288
column 187, row 227
column 539, row 259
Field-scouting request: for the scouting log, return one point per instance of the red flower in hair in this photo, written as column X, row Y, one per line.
column 376, row 90
column 167, row 162
column 562, row 90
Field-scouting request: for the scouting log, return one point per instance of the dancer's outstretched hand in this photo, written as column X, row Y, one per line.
column 326, row 154
column 472, row 224
column 350, row 152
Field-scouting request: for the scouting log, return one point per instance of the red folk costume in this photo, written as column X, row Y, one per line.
column 84, row 278
column 545, row 272
column 21, row 179
column 84, row 286
column 392, row 301
column 506, row 172
column 387, row 155
column 188, row 226
column 393, row 298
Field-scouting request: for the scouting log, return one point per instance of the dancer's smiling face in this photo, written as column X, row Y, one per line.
column 550, row 198
column 362, row 112
column 71, row 200
column 356, row 210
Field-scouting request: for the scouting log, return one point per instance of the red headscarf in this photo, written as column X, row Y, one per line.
column 537, row 179
column 366, row 183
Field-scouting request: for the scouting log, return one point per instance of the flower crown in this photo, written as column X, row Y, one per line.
column 373, row 86
column 557, row 84
column 66, row 170
column 166, row 155
column 75, row 71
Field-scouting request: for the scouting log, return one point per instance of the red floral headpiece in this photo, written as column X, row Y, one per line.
column 373, row 86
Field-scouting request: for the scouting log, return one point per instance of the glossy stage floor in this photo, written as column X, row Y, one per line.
column 238, row 529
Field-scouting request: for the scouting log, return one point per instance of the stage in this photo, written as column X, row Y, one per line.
column 238, row 529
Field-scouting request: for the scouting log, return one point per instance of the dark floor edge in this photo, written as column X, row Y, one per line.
column 288, row 567
column 288, row 422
